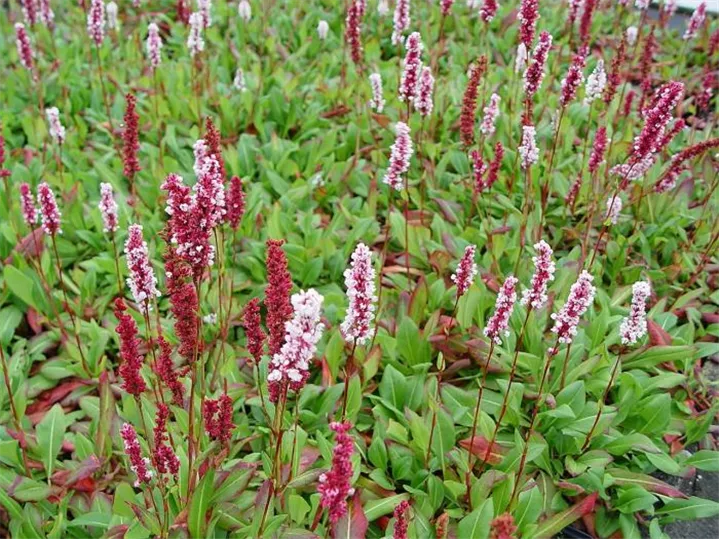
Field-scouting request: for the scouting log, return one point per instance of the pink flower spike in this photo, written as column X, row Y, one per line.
column 335, row 485
column 108, row 208
column 138, row 464
column 466, row 270
column 142, row 280
column 400, row 21
column 56, row 129
column 412, row 67
column 353, row 30
column 24, row 49
column 425, row 88
column 491, row 111
column 580, row 299
column 290, row 368
column 96, row 21
column 446, row 6
column 488, row 10
column 528, row 15
column 493, row 172
column 634, row 327
column 596, row 82
column 399, row 159
column 498, row 324
column 195, row 41
column 614, row 208
column 536, row 295
column 235, row 202
column 27, row 204
column 29, row 11
column 359, row 280
column 49, row 212
column 696, row 22
column 401, row 522
column 528, row 150
column 154, row 45
column 600, row 146
column 377, row 101
column 573, row 80
column 478, row 168
column 534, row 74
column 204, row 8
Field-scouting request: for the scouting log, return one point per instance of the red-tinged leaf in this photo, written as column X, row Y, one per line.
column 490, row 281
column 445, row 208
column 48, row 398
column 34, row 319
column 117, row 532
column 69, row 478
column 647, row 482
column 479, row 446
column 382, row 120
column 354, row 524
column 710, row 318
column 308, row 457
column 657, row 335
column 553, row 525
column 33, row 244
column 339, row 110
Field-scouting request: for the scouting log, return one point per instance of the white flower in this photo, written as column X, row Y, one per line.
column 323, row 29
column 632, row 35
column 595, row 83
column 111, row 12
column 244, row 10
column 239, row 82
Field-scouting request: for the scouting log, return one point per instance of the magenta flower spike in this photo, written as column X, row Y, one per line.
column 580, row 299
column 401, row 153
column 154, row 45
column 498, row 324
column 634, row 326
column 359, row 280
column 423, row 100
column 544, row 267
column 49, row 212
column 142, row 280
column 412, row 68
column 108, row 208
column 335, row 486
column 290, row 368
column 96, row 21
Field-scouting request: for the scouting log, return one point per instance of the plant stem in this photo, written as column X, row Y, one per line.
column 13, row 409
column 68, row 310
column 532, row 424
column 503, row 408
column 601, row 402
column 480, row 392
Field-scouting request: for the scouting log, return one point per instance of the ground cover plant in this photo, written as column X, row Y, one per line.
column 357, row 269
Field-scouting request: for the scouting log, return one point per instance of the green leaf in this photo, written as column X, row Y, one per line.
column 689, row 509
column 558, row 522
column 374, row 509
column 476, row 524
column 704, row 460
column 50, row 432
column 21, row 285
column 201, row 497
column 96, row 519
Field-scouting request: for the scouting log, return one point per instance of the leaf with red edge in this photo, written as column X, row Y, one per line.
column 479, row 446
column 647, row 482
column 657, row 334
column 46, row 399
column 354, row 524
column 558, row 522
